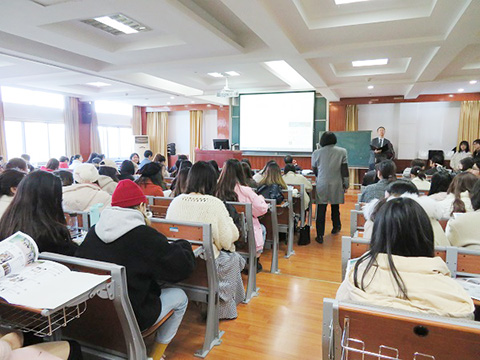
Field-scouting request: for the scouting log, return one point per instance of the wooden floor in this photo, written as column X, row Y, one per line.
column 285, row 321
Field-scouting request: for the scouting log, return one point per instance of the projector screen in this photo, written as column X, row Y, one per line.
column 277, row 122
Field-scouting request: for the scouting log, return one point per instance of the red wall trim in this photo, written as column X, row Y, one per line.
column 400, row 99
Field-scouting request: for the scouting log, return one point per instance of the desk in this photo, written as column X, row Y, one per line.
column 220, row 156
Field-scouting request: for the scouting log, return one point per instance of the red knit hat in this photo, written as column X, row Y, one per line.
column 128, row 194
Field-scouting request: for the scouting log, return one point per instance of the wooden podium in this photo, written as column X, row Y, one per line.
column 220, row 156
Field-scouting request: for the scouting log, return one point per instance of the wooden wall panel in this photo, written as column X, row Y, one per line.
column 336, row 117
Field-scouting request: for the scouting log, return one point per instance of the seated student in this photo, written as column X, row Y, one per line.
column 184, row 164
column 11, row 348
column 231, row 186
column 292, row 178
column 259, row 175
column 439, row 185
column 18, row 164
column 63, row 160
column 405, row 188
column 123, row 236
column 246, row 161
column 135, row 159
column 462, row 231
column 75, row 161
column 436, row 164
column 370, row 177
column 289, row 160
column 199, row 204
column 419, row 179
column 92, row 156
column 66, row 177
column 127, row 170
column 415, row 162
column 458, row 195
column 86, row 191
column 161, row 160
column 36, row 210
column 9, row 181
column 400, row 270
column 51, row 166
column 151, row 179
column 475, row 170
column 26, row 158
column 108, row 176
column 174, row 169
column 386, row 173
column 247, row 170
column 148, row 157
column 461, row 153
column 180, row 182
column 466, row 164
column 215, row 167
column 272, row 183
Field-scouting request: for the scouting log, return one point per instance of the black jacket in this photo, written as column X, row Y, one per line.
column 149, row 259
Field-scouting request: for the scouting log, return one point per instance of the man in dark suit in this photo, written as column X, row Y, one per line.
column 381, row 149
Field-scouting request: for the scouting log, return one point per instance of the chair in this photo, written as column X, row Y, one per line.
column 357, row 222
column 299, row 203
column 78, row 220
column 108, row 328
column 270, row 221
column 286, row 221
column 247, row 235
column 202, row 285
column 159, row 205
column 353, row 331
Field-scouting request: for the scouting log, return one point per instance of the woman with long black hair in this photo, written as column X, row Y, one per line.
column 37, row 211
column 401, row 270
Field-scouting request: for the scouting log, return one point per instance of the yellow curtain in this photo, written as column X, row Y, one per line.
column 95, row 144
column 469, row 125
column 71, row 119
column 137, row 120
column 351, row 124
column 196, row 126
column 3, row 139
column 157, row 131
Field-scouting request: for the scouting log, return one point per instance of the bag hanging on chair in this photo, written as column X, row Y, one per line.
column 304, row 238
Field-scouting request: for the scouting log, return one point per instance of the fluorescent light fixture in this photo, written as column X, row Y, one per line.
column 215, row 74
column 232, row 73
column 473, row 82
column 288, row 74
column 98, row 84
column 343, row 2
column 450, row 95
column 117, row 25
column 172, row 97
column 193, row 102
column 370, row 87
column 209, row 105
column 461, row 90
column 374, row 62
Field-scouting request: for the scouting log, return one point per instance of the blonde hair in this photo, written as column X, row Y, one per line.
column 143, row 209
column 273, row 175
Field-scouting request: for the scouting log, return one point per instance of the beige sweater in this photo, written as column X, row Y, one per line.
column 292, row 178
column 80, row 197
column 463, row 231
column 209, row 210
column 430, row 288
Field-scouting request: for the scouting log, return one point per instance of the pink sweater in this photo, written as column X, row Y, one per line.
column 259, row 207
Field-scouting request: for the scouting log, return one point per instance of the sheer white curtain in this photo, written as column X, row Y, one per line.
column 137, row 120
column 3, row 139
column 71, row 118
column 95, row 145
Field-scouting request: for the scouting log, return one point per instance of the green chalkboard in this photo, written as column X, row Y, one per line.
column 357, row 144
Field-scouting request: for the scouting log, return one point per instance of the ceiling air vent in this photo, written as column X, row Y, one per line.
column 117, row 24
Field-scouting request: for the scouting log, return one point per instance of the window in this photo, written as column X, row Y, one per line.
column 30, row 97
column 117, row 142
column 40, row 140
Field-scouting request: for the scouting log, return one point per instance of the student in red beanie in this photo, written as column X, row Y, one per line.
column 123, row 236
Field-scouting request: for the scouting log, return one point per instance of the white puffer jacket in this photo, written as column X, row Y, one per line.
column 80, row 197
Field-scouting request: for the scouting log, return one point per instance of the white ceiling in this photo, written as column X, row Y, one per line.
column 433, row 47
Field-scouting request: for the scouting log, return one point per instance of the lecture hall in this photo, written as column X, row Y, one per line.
column 225, row 179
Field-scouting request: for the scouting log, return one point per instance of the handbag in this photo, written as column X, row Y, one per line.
column 304, row 238
column 272, row 191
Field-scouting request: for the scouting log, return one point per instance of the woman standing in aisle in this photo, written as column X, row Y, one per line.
column 329, row 164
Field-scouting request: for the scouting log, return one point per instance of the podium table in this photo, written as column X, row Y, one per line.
column 220, row 156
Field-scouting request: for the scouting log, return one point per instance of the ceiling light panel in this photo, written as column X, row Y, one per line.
column 288, row 74
column 117, row 24
column 343, row 2
column 232, row 73
column 216, row 74
column 374, row 62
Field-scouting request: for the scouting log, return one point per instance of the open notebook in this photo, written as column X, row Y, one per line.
column 24, row 280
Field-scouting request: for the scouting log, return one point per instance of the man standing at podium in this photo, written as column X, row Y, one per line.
column 381, row 149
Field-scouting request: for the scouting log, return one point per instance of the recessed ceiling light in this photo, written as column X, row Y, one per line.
column 288, row 74
column 98, row 84
column 209, row 105
column 193, row 102
column 117, row 25
column 232, row 73
column 370, row 87
column 172, row 97
column 461, row 90
column 374, row 62
column 343, row 2
column 168, row 102
column 215, row 74
column 451, row 95
column 473, row 82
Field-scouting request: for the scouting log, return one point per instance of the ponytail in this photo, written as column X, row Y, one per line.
column 418, row 172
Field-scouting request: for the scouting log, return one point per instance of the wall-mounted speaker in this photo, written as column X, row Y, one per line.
column 86, row 112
